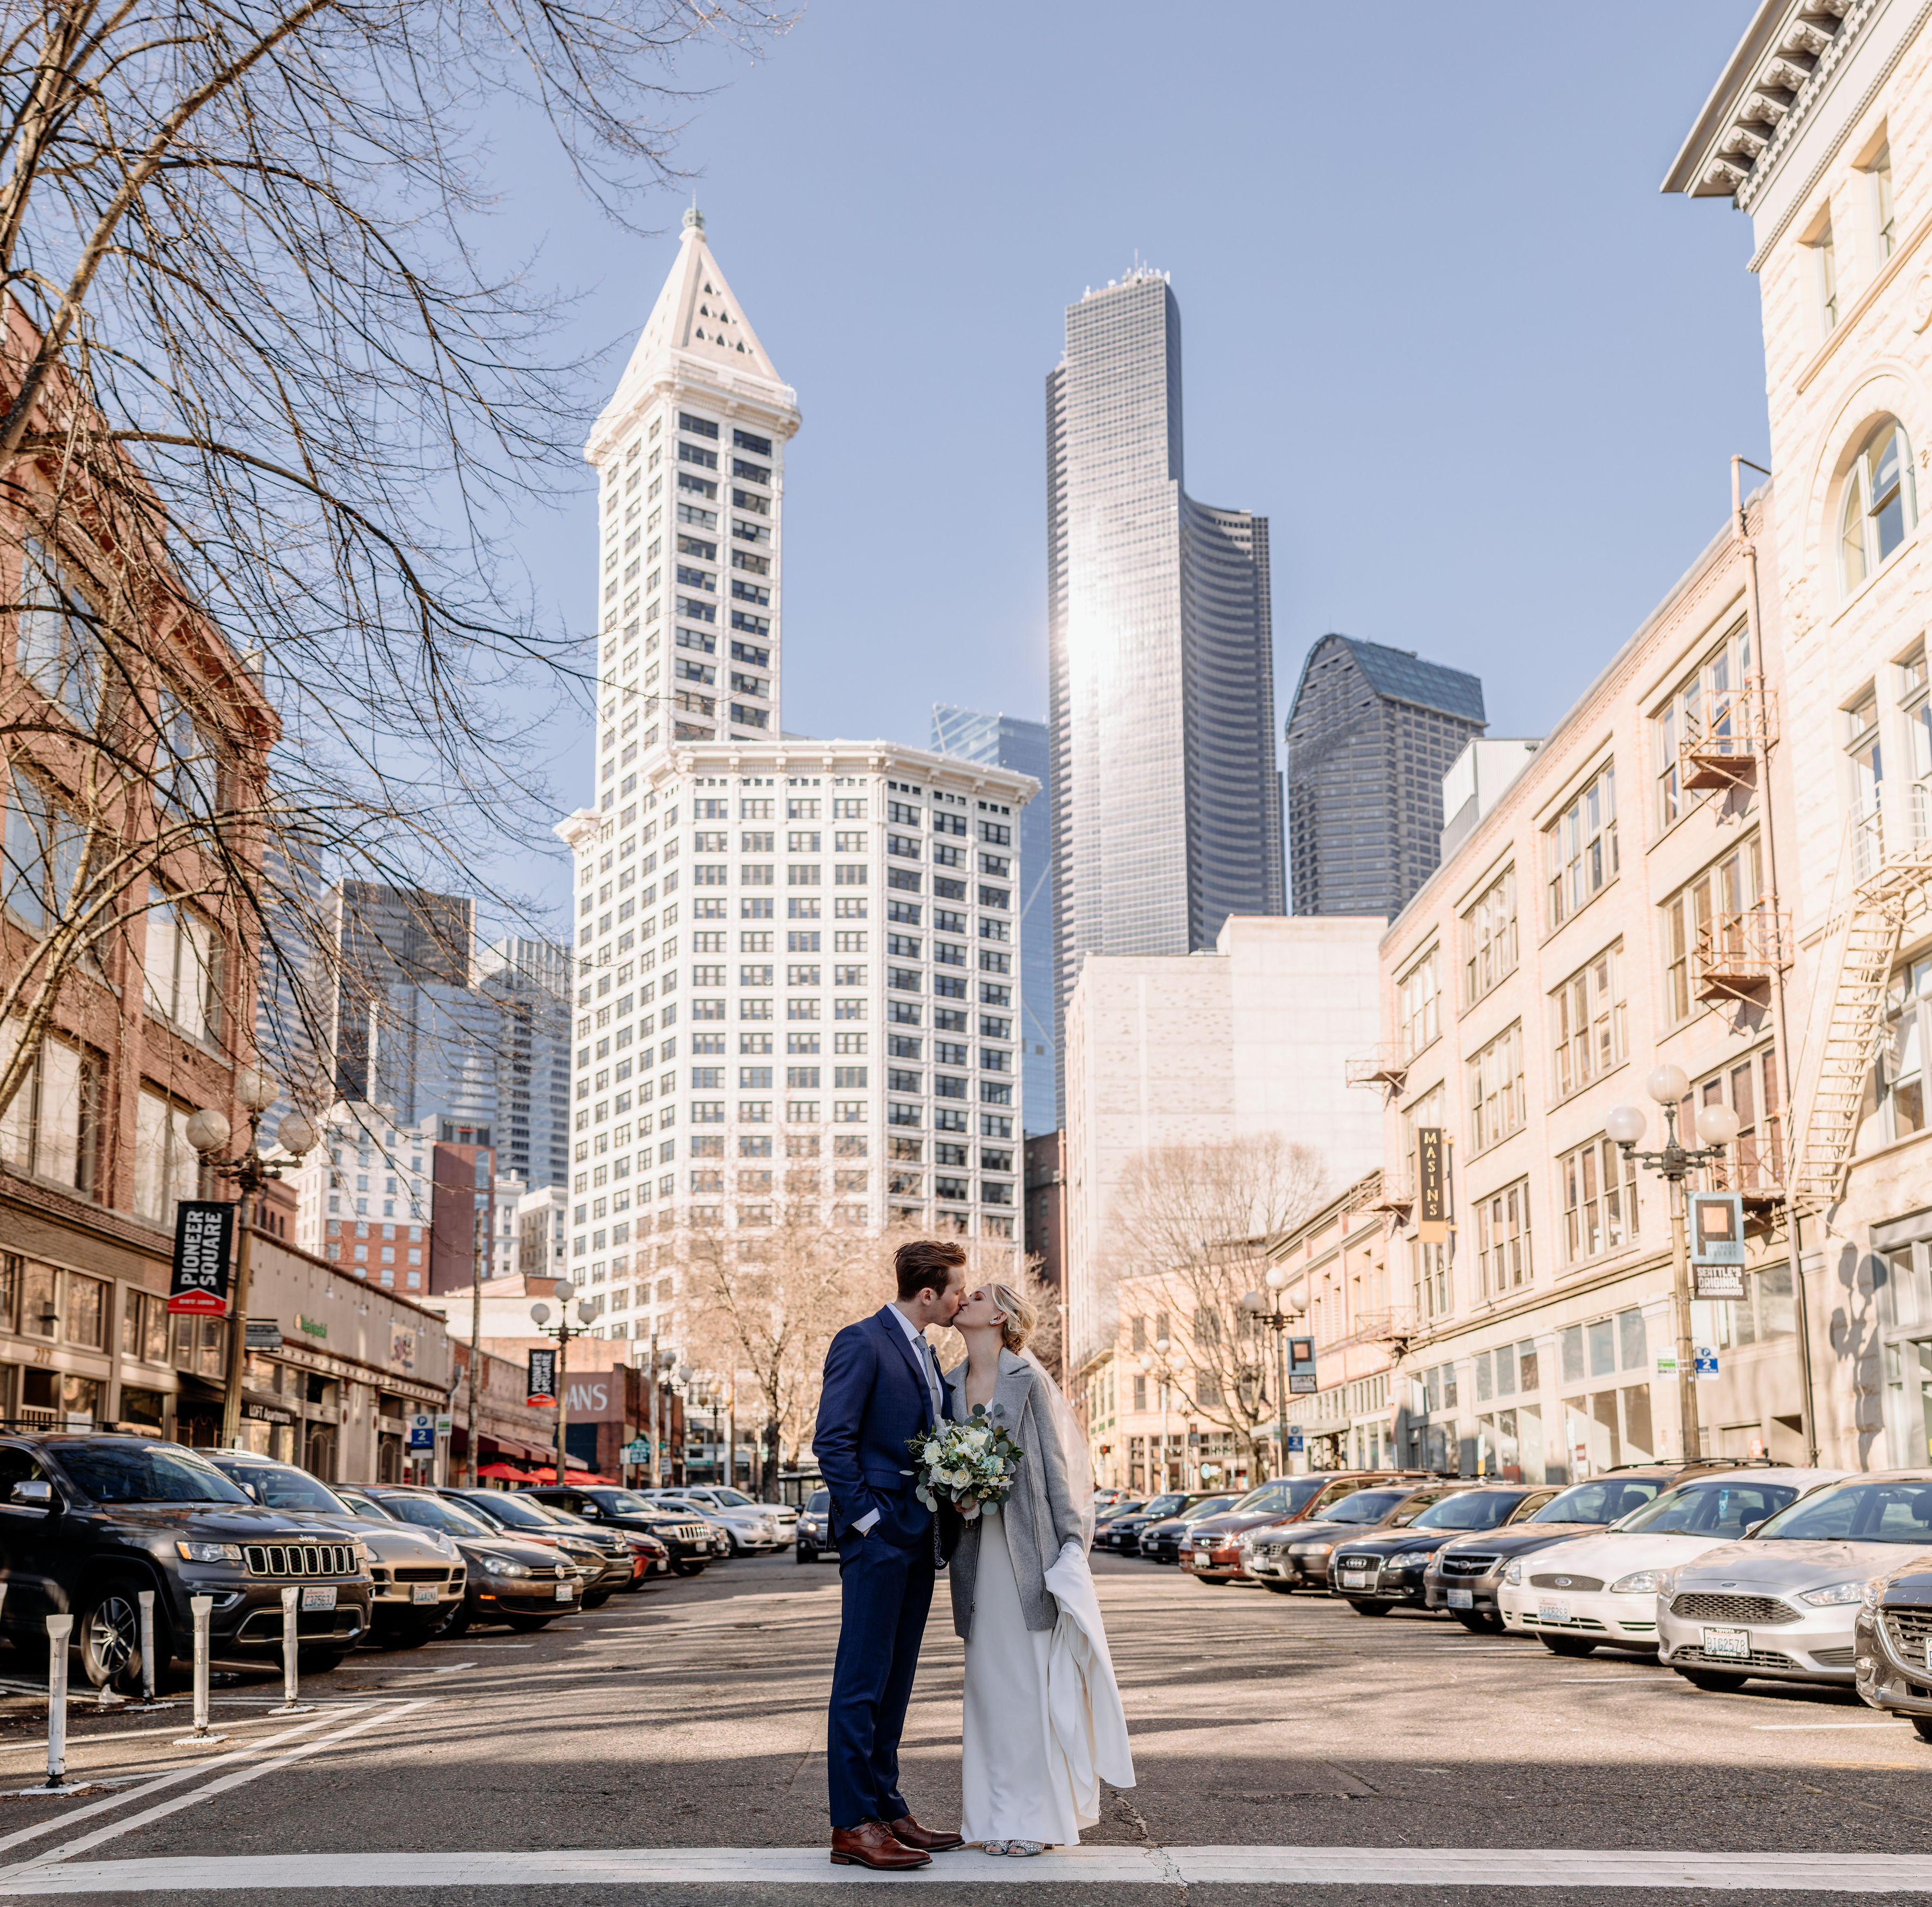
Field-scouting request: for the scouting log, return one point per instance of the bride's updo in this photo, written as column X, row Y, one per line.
column 1021, row 1317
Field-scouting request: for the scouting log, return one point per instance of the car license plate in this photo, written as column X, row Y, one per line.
column 322, row 1597
column 1461, row 1599
column 1734, row 1643
column 1552, row 1609
column 1357, row 1575
column 564, row 1591
column 423, row 1593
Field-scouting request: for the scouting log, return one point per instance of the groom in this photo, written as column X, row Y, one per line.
column 882, row 1386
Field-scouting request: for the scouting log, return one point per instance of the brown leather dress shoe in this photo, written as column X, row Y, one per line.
column 872, row 1844
column 907, row 1831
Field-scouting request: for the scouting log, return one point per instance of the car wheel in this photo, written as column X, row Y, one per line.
column 318, row 1662
column 1274, row 1588
column 1567, row 1645
column 456, row 1624
column 409, row 1635
column 109, row 1632
column 802, row 1554
column 1482, row 1623
column 1368, row 1608
column 1715, row 1680
column 686, row 1567
column 528, row 1625
column 1213, row 1582
column 1922, row 1726
column 598, row 1601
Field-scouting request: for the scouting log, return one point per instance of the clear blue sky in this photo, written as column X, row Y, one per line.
column 1438, row 323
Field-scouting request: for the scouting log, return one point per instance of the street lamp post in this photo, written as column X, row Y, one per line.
column 1161, row 1345
column 1717, row 1126
column 1275, row 1321
column 562, row 1292
column 207, row 1131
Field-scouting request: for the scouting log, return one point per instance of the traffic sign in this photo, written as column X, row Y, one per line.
column 422, row 1431
column 1707, row 1361
column 637, row 1451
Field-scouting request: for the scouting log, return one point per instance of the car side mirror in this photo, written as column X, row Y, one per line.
column 1407, row 1516
column 1752, row 1529
column 35, row 1493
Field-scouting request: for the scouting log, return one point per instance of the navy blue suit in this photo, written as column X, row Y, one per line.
column 873, row 1398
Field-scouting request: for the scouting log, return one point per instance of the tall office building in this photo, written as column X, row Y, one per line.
column 1166, row 800
column 529, row 982
column 793, row 985
column 1007, row 742
column 1371, row 734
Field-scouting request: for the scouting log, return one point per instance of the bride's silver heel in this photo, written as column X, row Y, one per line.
column 1026, row 1847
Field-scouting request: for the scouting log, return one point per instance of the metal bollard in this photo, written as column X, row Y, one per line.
column 60, row 1630
column 145, row 1598
column 203, row 1607
column 292, row 1704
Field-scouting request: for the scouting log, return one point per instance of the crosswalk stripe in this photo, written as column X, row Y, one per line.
column 1158, row 1867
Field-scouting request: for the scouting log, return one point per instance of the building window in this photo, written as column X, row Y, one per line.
column 1490, row 937
column 1915, row 704
column 48, row 1128
column 182, row 968
column 1599, row 1201
column 1428, row 1269
column 1706, row 707
column 1589, row 1021
column 1825, row 264
column 1752, row 1088
column 1419, row 992
column 1883, row 212
column 1900, row 1078
column 1496, row 1097
column 1880, row 508
column 1502, row 1241
column 166, row 1168
column 1713, row 906
column 1580, row 848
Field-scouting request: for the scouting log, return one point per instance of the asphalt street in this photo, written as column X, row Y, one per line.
column 670, row 1747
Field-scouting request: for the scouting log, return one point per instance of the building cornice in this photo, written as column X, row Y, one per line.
column 735, row 392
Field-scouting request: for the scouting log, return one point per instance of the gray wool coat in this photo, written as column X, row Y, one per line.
column 1040, row 1515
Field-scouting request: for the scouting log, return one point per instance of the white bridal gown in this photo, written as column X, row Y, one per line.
column 1016, row 1782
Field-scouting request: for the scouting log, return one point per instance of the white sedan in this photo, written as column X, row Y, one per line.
column 1783, row 1604
column 1604, row 1587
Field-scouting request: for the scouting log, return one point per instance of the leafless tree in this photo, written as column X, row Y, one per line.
column 266, row 421
column 1191, row 1225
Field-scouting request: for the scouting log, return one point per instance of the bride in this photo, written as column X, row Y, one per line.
column 1043, row 1723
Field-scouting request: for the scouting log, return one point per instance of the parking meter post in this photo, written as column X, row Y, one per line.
column 60, row 1632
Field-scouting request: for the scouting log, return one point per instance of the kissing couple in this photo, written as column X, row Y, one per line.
column 1043, row 1725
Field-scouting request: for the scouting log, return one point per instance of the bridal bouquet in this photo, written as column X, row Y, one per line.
column 969, row 1464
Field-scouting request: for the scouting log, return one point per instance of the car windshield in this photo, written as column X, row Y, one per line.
column 145, row 1473
column 367, row 1506
column 819, row 1502
column 439, row 1513
column 1126, row 1509
column 1281, row 1499
column 1898, row 1512
column 1601, row 1500
column 507, row 1508
column 1719, row 1508
column 283, row 1487
column 1472, row 1509
column 621, row 1503
column 1211, row 1506
column 1365, row 1506
column 1168, row 1506
column 733, row 1497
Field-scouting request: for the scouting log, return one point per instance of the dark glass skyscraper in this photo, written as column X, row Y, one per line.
column 1166, row 802
column 1006, row 742
column 1371, row 734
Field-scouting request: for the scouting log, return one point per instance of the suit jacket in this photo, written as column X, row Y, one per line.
column 873, row 1398
column 1040, row 1516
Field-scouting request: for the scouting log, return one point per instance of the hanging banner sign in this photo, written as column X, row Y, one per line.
column 204, row 1244
column 543, row 1379
column 1717, row 1245
column 1431, row 1185
column 1300, row 1367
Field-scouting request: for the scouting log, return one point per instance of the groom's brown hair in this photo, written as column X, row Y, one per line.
column 926, row 1265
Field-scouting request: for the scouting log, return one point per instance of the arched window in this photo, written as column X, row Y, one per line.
column 1880, row 508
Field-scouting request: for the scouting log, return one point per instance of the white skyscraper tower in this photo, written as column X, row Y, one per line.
column 796, row 960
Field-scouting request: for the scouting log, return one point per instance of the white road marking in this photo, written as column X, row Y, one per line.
column 1165, row 1867
column 388, row 1669
column 19, row 1879
column 1786, row 1727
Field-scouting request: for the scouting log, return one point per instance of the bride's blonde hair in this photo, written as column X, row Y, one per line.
column 1021, row 1317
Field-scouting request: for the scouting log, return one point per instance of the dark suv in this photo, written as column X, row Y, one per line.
column 692, row 1543
column 1378, row 1573
column 88, row 1521
column 1217, row 1551
column 1297, row 1556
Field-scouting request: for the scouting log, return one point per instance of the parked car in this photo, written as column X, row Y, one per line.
column 750, row 1529
column 416, row 1576
column 689, row 1541
column 1105, row 1519
column 1161, row 1541
column 1220, row 1547
column 1464, row 1575
column 1602, row 1587
column 817, row 1536
column 1123, row 1533
column 1377, row 1574
column 722, row 1495
column 601, row 1556
column 1893, row 1645
column 508, row 1580
column 89, row 1520
column 1783, row 1604
column 1297, row 1556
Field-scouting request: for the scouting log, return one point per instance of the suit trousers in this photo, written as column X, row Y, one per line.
column 886, row 1589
